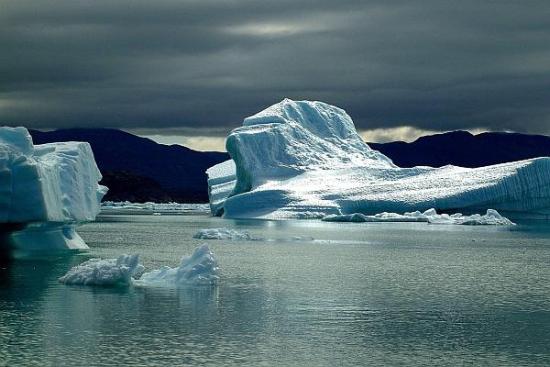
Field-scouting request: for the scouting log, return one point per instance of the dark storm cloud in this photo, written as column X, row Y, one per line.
column 135, row 64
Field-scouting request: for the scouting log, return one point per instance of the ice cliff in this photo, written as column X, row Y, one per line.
column 300, row 156
column 46, row 190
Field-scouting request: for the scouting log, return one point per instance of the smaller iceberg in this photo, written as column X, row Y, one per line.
column 201, row 268
column 224, row 234
column 110, row 272
column 491, row 217
column 127, row 207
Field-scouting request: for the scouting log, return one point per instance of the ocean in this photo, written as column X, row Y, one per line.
column 301, row 293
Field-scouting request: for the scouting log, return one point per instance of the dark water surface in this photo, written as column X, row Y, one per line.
column 309, row 294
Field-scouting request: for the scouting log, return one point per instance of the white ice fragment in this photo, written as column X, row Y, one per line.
column 110, row 272
column 492, row 217
column 415, row 216
column 355, row 217
column 126, row 207
column 310, row 215
column 224, row 234
column 201, row 268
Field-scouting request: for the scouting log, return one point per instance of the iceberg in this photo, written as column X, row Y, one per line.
column 150, row 208
column 201, row 268
column 224, row 234
column 491, row 217
column 46, row 189
column 110, row 272
column 299, row 157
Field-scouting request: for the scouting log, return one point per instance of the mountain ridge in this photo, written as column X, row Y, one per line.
column 139, row 169
column 462, row 148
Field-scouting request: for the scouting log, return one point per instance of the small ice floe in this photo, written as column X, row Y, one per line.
column 224, row 234
column 126, row 207
column 110, row 272
column 309, row 215
column 416, row 216
column 355, row 217
column 201, row 268
column 492, row 217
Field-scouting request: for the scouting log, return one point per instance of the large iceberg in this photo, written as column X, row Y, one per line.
column 299, row 157
column 46, row 190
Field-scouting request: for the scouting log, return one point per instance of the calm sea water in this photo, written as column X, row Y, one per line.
column 310, row 294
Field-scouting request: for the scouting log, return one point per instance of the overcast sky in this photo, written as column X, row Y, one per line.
column 194, row 69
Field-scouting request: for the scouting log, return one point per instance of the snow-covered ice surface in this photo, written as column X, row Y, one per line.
column 54, row 186
column 491, row 217
column 126, row 207
column 224, row 234
column 110, row 272
column 305, row 157
column 201, row 268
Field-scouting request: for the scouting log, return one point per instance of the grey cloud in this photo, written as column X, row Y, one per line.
column 433, row 65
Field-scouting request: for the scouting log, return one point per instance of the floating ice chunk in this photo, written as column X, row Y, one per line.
column 126, row 207
column 415, row 216
column 201, row 268
column 110, row 272
column 223, row 234
column 298, row 157
column 355, row 217
column 492, row 217
column 310, row 215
